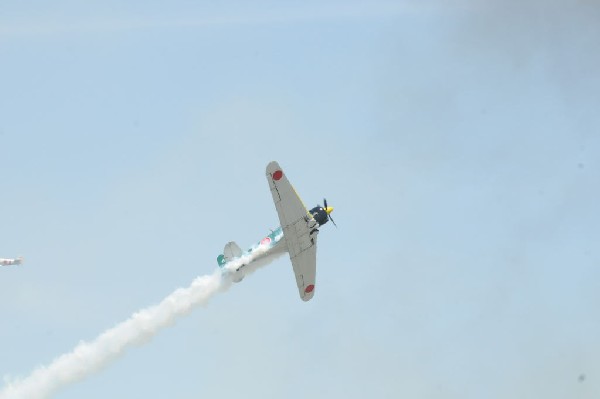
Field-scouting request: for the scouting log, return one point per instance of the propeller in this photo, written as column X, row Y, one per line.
column 329, row 214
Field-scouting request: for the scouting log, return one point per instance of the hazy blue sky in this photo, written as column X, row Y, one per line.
column 459, row 144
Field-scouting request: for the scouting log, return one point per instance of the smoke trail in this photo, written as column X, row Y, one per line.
column 88, row 358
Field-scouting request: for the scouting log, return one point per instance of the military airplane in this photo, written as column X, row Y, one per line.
column 297, row 234
column 9, row 262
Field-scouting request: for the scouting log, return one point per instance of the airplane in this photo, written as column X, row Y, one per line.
column 297, row 234
column 9, row 262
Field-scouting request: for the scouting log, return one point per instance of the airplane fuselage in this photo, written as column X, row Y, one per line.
column 275, row 242
column 269, row 245
column 9, row 262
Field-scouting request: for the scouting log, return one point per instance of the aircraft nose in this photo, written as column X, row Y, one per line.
column 329, row 209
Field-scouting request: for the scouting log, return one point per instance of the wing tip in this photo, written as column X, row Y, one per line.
column 309, row 292
column 272, row 166
column 308, row 297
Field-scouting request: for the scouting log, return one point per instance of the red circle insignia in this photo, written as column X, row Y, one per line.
column 265, row 240
column 309, row 289
column 277, row 175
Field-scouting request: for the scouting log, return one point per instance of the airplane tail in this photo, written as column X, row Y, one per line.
column 231, row 251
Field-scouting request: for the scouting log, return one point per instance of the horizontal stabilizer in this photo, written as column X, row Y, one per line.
column 231, row 251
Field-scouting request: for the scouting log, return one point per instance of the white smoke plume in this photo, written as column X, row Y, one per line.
column 89, row 357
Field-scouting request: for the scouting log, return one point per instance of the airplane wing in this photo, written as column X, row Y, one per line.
column 297, row 226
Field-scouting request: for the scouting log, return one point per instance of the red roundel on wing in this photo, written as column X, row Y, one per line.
column 309, row 289
column 265, row 240
column 277, row 175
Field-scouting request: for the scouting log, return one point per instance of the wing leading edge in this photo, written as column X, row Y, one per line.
column 297, row 225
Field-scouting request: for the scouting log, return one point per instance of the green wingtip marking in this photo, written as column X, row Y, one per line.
column 221, row 260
